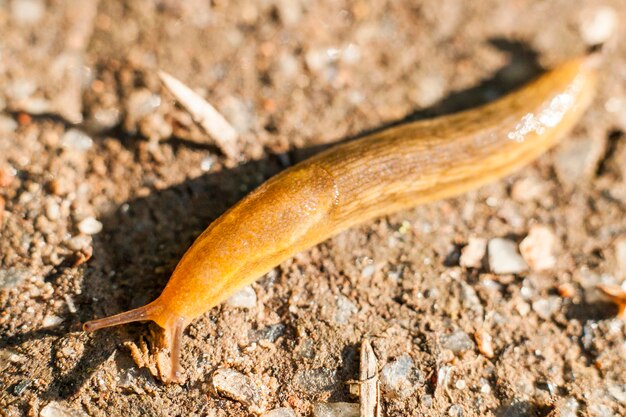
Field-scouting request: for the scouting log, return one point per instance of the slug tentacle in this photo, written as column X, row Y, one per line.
column 144, row 313
column 174, row 335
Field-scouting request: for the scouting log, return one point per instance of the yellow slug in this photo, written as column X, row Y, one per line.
column 353, row 182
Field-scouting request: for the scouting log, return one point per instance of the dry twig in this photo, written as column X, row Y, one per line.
column 368, row 382
column 204, row 114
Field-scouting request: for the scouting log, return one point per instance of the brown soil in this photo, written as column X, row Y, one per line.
column 292, row 77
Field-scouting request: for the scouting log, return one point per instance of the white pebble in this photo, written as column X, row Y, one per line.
column 395, row 377
column 473, row 253
column 455, row 410
column 7, row 124
column 576, row 160
column 336, row 410
column 597, row 26
column 76, row 140
column 537, row 248
column 244, row 298
column 429, row 90
column 79, row 242
column 51, row 321
column 485, row 388
column 90, row 226
column 237, row 386
column 368, row 271
column 53, row 210
column 457, row 341
column 528, row 189
column 568, row 407
column 345, row 309
column 546, row 307
column 54, row 409
column 207, row 163
column 504, row 258
column 616, row 106
column 27, row 11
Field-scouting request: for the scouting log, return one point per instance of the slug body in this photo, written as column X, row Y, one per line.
column 379, row 174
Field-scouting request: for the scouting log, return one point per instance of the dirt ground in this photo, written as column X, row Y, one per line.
column 89, row 139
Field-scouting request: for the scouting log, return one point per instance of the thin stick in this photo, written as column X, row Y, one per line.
column 204, row 114
column 368, row 381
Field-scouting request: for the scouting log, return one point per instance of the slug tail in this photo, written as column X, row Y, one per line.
column 139, row 314
column 174, row 332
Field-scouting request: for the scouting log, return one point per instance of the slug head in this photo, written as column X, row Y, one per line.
column 172, row 324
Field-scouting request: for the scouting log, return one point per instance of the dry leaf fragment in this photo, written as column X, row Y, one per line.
column 618, row 295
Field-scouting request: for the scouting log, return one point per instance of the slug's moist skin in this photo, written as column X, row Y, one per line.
column 348, row 184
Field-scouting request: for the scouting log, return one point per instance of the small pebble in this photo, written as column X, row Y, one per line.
column 368, row 271
column 457, row 342
column 528, row 189
column 504, row 258
column 597, row 26
column 207, row 163
column 54, row 409
column 90, row 226
column 518, row 408
column 567, row 407
column 269, row 333
column 7, row 124
column 576, row 160
column 537, row 248
column 53, row 210
column 455, row 411
column 395, row 377
column 335, row 410
column 51, row 321
column 546, row 307
column 79, row 243
column 484, row 341
column 345, row 309
column 141, row 102
column 104, row 119
column 473, row 253
column 429, row 90
column 76, row 140
column 280, row 412
column 10, row 278
column 244, row 298
column 314, row 381
column 485, row 388
column 27, row 12
column 21, row 386
column 237, row 386
column 616, row 106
